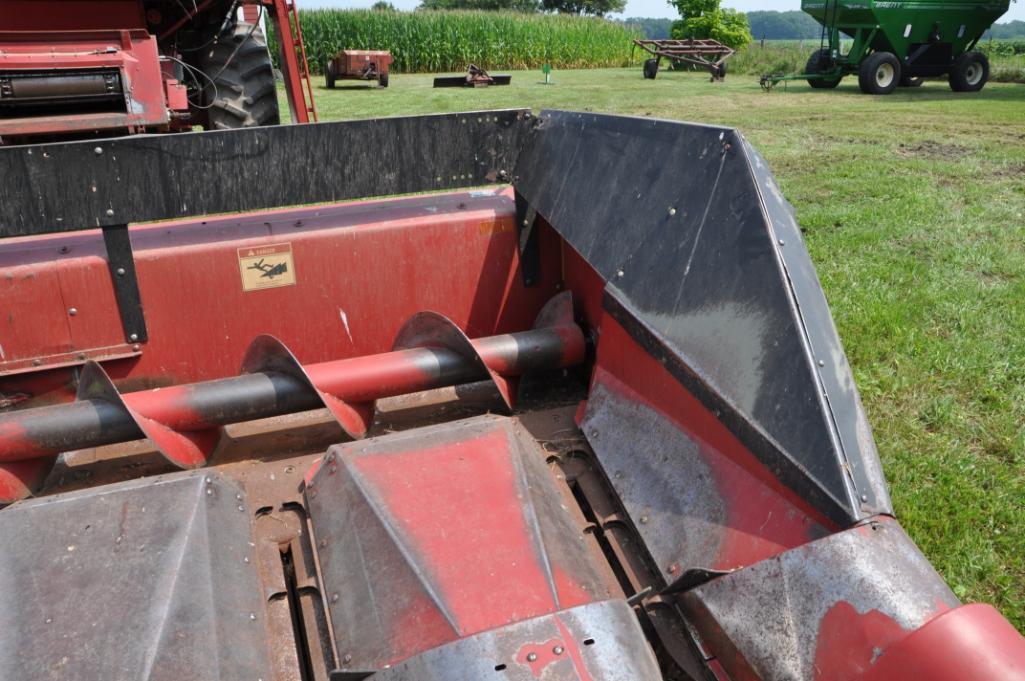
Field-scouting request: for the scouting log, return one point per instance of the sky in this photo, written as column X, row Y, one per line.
column 643, row 8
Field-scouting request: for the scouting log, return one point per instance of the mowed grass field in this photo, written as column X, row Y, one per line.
column 913, row 209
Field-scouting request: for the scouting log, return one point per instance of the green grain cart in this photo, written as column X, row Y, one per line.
column 898, row 43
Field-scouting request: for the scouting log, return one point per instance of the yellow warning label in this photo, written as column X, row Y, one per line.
column 266, row 266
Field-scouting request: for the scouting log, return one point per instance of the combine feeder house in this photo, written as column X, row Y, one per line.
column 898, row 43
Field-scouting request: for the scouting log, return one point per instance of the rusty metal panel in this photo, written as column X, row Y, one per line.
column 826, row 610
column 443, row 532
column 150, row 579
column 596, row 642
column 683, row 484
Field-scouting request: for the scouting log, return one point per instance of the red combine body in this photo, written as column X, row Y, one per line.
column 556, row 416
column 71, row 68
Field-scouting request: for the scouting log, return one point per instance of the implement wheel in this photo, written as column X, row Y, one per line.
column 969, row 72
column 879, row 73
column 382, row 80
column 650, row 68
column 329, row 73
column 818, row 62
column 239, row 66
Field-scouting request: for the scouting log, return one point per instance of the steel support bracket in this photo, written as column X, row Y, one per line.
column 530, row 249
column 126, row 285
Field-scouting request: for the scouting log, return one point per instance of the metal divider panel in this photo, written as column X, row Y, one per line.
column 686, row 225
column 148, row 579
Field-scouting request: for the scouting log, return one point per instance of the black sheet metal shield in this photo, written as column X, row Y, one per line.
column 706, row 268
column 80, row 185
column 146, row 579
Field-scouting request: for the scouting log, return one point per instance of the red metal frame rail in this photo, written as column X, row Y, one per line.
column 293, row 53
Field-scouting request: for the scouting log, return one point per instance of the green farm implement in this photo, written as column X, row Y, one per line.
column 890, row 44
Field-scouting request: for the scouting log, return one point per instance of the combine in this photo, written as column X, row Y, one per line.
column 539, row 414
column 73, row 69
column 898, row 44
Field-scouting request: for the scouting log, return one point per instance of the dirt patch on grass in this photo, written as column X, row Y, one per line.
column 933, row 150
column 1010, row 170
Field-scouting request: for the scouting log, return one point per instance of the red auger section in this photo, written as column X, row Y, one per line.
column 183, row 422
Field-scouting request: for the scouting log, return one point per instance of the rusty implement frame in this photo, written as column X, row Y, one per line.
column 707, row 54
column 475, row 77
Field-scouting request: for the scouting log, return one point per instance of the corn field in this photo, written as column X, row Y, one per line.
column 436, row 41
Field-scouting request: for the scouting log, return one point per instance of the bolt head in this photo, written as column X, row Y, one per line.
column 110, row 212
column 672, row 211
column 98, row 150
column 531, row 657
column 558, row 650
column 347, row 658
column 133, row 337
column 72, row 311
column 120, row 271
column 252, row 617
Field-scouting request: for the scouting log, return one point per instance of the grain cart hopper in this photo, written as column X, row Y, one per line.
column 898, row 43
column 559, row 417
column 73, row 68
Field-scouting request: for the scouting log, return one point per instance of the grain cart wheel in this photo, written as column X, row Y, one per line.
column 240, row 67
column 818, row 62
column 650, row 68
column 911, row 81
column 969, row 72
column 879, row 73
column 329, row 73
column 382, row 80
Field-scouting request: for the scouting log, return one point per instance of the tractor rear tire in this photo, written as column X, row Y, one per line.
column 382, row 80
column 650, row 68
column 816, row 64
column 969, row 72
column 246, row 95
column 879, row 73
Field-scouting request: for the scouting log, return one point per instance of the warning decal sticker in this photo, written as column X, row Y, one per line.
column 266, row 266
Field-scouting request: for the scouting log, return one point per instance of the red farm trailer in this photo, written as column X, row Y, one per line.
column 358, row 65
column 73, row 68
column 540, row 414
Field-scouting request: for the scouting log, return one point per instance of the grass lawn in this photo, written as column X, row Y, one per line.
column 913, row 208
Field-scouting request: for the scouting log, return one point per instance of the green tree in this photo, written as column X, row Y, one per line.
column 598, row 8
column 708, row 19
column 383, row 6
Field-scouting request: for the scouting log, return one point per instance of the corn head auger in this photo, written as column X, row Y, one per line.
column 589, row 419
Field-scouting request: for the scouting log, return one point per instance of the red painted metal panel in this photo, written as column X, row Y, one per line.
column 70, row 15
column 361, row 270
column 472, row 534
column 970, row 643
